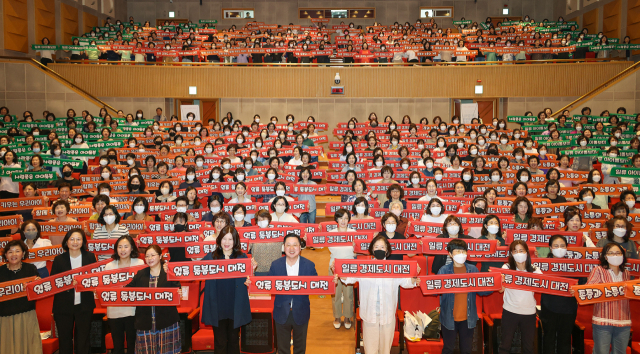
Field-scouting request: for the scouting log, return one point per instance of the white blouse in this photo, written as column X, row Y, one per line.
column 369, row 289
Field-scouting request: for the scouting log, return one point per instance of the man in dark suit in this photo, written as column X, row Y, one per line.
column 291, row 312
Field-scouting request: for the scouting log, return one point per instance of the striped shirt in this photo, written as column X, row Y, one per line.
column 610, row 313
column 101, row 233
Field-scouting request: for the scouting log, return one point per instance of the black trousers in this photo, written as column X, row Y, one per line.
column 462, row 329
column 556, row 331
column 71, row 336
column 510, row 322
column 45, row 61
column 8, row 195
column 284, row 333
column 120, row 327
column 226, row 339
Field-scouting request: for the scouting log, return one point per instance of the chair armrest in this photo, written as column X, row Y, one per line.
column 400, row 315
column 579, row 325
column 487, row 319
column 105, row 318
column 193, row 313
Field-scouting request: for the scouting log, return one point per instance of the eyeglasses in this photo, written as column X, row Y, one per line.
column 614, row 254
column 518, row 251
column 149, row 256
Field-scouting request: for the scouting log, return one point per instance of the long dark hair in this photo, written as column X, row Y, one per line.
column 512, row 262
column 604, row 263
column 237, row 249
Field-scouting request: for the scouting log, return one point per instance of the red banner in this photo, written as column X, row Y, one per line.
column 59, row 228
column 214, row 269
column 138, row 297
column 175, row 239
column 565, row 267
column 102, row 246
column 335, row 239
column 22, row 203
column 14, row 289
column 538, row 283
column 294, row 285
column 10, row 222
column 43, row 254
column 474, row 246
column 594, row 293
column 60, row 282
column 423, row 229
column 399, row 246
column 500, row 255
column 358, row 225
column 274, row 234
column 373, row 268
column 541, row 237
column 460, row 283
column 632, row 290
column 108, row 278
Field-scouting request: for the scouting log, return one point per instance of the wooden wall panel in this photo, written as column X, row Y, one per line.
column 16, row 25
column 281, row 82
column 46, row 20
column 633, row 21
column 611, row 19
column 89, row 21
column 69, row 17
column 590, row 21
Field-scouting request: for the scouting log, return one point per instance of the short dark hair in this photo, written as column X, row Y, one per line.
column 115, row 212
column 67, row 236
column 134, row 249
column 13, row 243
column 276, row 200
column 340, row 213
column 100, row 198
column 456, row 244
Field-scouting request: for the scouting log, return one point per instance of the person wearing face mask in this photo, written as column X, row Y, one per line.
column 190, row 179
column 519, row 306
column 378, row 301
column 396, row 208
column 452, row 228
column 619, row 231
column 583, row 163
column 110, row 227
column 30, row 234
column 136, row 185
column 140, row 210
column 279, row 208
column 611, row 320
column 491, row 230
column 459, row 314
column 629, row 198
column 558, row 313
column 67, row 177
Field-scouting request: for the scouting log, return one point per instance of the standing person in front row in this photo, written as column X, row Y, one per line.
column 458, row 312
column 121, row 319
column 519, row 306
column 157, row 329
column 19, row 331
column 291, row 312
column 70, row 307
column 379, row 301
column 225, row 306
column 612, row 319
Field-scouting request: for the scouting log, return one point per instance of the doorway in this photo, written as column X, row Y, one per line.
column 487, row 108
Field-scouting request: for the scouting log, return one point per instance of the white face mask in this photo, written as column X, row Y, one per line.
column 583, row 143
column 178, row 129
column 238, row 217
column 518, row 157
column 280, row 209
column 631, row 204
column 139, row 209
column 258, row 145
column 109, row 219
column 520, row 257
column 405, row 166
column 131, row 162
column 524, row 179
column 280, row 193
column 559, row 252
column 596, row 178
column 104, row 162
column 460, row 145
column 240, row 141
column 493, row 229
column 440, row 143
column 420, row 147
column 529, row 144
column 460, row 258
column 435, row 211
column 349, row 149
column 473, row 152
column 240, row 178
column 615, row 260
column 199, row 163
column 453, row 230
column 481, row 142
column 226, row 166
column 191, row 177
column 263, row 223
column 215, row 175
column 271, row 176
column 105, row 175
column 495, row 178
column 466, row 178
column 379, row 163
column 438, row 177
column 543, row 152
column 390, row 227
column 517, row 136
column 181, row 209
column 504, row 141
column 415, row 180
column 304, row 136
column 78, row 141
column 164, row 191
column 578, row 128
column 483, row 131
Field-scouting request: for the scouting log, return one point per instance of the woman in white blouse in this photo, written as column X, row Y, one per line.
column 434, row 212
column 31, row 235
column 8, row 188
column 378, row 301
column 343, row 298
column 279, row 208
column 432, row 192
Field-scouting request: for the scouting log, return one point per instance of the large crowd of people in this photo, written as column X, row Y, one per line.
column 257, row 42
column 115, row 171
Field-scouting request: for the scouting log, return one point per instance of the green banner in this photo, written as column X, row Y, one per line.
column 39, row 125
column 33, row 176
column 107, row 144
column 44, row 47
column 625, row 172
column 593, row 142
column 6, row 171
column 582, row 152
column 23, row 139
column 216, row 21
column 522, row 119
column 132, row 129
column 614, row 160
column 54, row 162
column 535, row 128
column 557, row 144
column 80, row 152
column 72, row 47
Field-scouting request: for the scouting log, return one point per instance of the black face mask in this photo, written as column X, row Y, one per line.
column 179, row 228
column 374, row 124
column 479, row 210
column 67, row 174
column 158, row 142
column 379, row 254
column 112, row 157
column 172, row 134
column 135, row 187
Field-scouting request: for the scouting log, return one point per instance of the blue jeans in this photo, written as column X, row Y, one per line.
column 308, row 218
column 605, row 337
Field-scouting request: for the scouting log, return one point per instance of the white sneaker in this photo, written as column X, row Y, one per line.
column 347, row 324
column 338, row 325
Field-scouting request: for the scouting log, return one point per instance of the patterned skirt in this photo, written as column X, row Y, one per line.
column 164, row 341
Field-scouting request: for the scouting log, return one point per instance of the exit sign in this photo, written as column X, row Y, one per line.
column 337, row 90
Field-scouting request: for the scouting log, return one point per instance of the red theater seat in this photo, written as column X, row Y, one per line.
column 45, row 321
